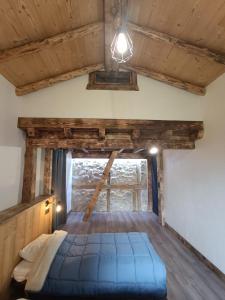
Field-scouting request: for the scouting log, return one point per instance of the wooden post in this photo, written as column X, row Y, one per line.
column 48, row 172
column 108, row 194
column 134, row 200
column 138, row 191
column 160, row 189
column 149, row 182
column 99, row 187
column 29, row 175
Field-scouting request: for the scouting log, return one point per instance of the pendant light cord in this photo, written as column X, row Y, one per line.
column 123, row 4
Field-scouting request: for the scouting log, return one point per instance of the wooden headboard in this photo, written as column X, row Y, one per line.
column 20, row 225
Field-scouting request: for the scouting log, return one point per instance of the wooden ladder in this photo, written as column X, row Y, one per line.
column 99, row 186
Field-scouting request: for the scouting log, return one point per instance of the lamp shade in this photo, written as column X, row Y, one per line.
column 122, row 46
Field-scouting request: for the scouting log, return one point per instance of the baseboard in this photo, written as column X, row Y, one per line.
column 209, row 264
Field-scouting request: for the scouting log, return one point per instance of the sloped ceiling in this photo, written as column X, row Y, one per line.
column 179, row 42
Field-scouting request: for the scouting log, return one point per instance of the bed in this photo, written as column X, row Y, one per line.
column 99, row 265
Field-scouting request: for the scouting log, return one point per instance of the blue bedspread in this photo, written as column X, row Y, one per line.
column 106, row 264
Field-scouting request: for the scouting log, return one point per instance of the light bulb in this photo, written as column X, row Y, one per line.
column 122, row 46
column 154, row 150
column 121, row 43
column 58, row 208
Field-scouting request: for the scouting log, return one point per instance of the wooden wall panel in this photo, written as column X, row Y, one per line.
column 17, row 229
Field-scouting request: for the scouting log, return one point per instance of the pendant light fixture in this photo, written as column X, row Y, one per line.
column 122, row 46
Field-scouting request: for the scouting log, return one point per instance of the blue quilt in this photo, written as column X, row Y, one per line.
column 106, row 264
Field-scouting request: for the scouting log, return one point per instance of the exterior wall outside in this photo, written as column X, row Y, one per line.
column 89, row 171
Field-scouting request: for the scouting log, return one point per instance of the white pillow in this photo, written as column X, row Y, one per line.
column 31, row 251
column 21, row 271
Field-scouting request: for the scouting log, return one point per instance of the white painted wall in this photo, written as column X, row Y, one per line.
column 154, row 101
column 195, row 183
column 11, row 147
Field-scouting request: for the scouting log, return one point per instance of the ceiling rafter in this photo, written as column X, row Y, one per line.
column 35, row 86
column 188, row 47
column 56, row 40
column 111, row 19
column 15, row 62
column 175, row 82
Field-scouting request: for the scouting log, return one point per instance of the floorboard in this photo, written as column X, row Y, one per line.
column 188, row 277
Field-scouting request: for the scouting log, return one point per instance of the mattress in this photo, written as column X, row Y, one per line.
column 106, row 264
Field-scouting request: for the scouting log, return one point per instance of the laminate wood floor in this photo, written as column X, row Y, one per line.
column 188, row 277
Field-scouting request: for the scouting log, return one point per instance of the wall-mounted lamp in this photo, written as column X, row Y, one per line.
column 153, row 150
column 58, row 207
column 47, row 206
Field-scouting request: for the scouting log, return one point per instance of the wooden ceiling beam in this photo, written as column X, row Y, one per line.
column 100, row 154
column 116, row 144
column 67, row 132
column 56, row 40
column 122, row 134
column 35, row 86
column 92, row 123
column 31, row 132
column 101, row 133
column 178, row 83
column 113, row 19
column 136, row 134
column 179, row 43
column 110, row 11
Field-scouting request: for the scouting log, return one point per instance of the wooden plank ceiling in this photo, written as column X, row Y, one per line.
column 179, row 42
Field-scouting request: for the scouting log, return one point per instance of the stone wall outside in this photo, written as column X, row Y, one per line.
column 89, row 171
